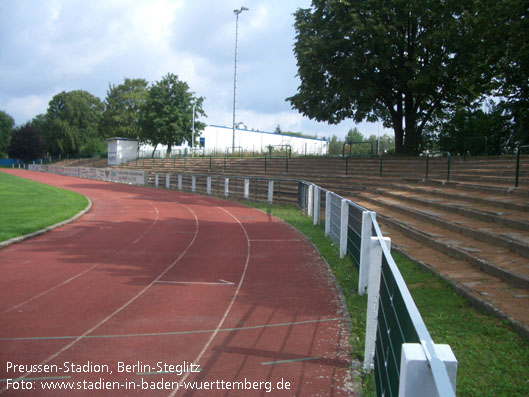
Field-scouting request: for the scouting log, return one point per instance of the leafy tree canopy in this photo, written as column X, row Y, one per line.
column 122, row 109
column 402, row 62
column 476, row 132
column 26, row 143
column 72, row 120
column 167, row 114
column 6, row 126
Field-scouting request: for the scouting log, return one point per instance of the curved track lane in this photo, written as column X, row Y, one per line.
column 155, row 291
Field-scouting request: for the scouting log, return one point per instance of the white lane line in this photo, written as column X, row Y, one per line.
column 173, row 333
column 126, row 304
column 294, row 360
column 220, row 282
column 236, row 293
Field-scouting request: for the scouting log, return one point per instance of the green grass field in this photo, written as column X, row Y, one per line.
column 27, row 206
column 493, row 360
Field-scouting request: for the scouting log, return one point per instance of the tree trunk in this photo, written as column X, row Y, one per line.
column 412, row 136
column 396, row 118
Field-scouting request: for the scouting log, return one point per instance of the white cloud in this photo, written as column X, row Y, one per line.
column 60, row 45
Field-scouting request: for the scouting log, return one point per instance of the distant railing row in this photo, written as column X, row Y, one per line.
column 398, row 345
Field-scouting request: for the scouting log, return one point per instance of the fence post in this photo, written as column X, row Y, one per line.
column 226, row 187
column 167, row 181
column 344, row 223
column 416, row 378
column 365, row 253
column 373, row 293
column 316, row 211
column 381, row 165
column 246, row 188
column 156, row 179
column 208, row 185
column 193, row 183
column 327, row 213
column 270, row 191
column 310, row 200
column 180, row 182
column 427, row 165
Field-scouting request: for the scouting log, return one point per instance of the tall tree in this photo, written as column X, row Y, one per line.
column 122, row 109
column 402, row 62
column 72, row 120
column 509, row 20
column 26, row 143
column 167, row 113
column 6, row 127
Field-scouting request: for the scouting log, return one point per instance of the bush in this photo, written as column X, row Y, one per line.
column 95, row 147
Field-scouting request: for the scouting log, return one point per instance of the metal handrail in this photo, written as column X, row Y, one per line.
column 440, row 375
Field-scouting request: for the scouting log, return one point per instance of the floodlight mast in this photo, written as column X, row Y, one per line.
column 236, row 12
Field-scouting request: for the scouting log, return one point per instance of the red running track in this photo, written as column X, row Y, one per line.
column 153, row 291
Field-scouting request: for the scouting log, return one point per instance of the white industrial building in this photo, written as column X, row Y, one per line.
column 218, row 140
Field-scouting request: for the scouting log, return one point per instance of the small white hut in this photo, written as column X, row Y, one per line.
column 122, row 150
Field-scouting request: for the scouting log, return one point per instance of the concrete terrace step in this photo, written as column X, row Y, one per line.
column 485, row 210
column 500, row 199
column 485, row 291
column 495, row 256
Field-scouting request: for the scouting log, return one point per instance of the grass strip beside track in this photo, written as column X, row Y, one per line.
column 27, row 206
column 493, row 360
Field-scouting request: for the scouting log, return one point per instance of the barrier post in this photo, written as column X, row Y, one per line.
column 310, row 200
column 373, row 293
column 156, row 180
column 365, row 253
column 416, row 377
column 226, row 187
column 316, row 211
column 180, row 182
column 167, row 181
column 208, row 185
column 270, row 191
column 193, row 183
column 327, row 213
column 344, row 223
column 246, row 189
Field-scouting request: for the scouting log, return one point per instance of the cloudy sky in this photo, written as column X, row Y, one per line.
column 61, row 45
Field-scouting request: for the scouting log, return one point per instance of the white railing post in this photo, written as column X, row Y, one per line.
column 365, row 248
column 270, row 192
column 316, row 211
column 180, row 182
column 226, row 187
column 167, row 181
column 416, row 377
column 310, row 200
column 375, row 264
column 246, row 188
column 208, row 185
column 327, row 213
column 156, row 180
column 344, row 223
column 193, row 183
